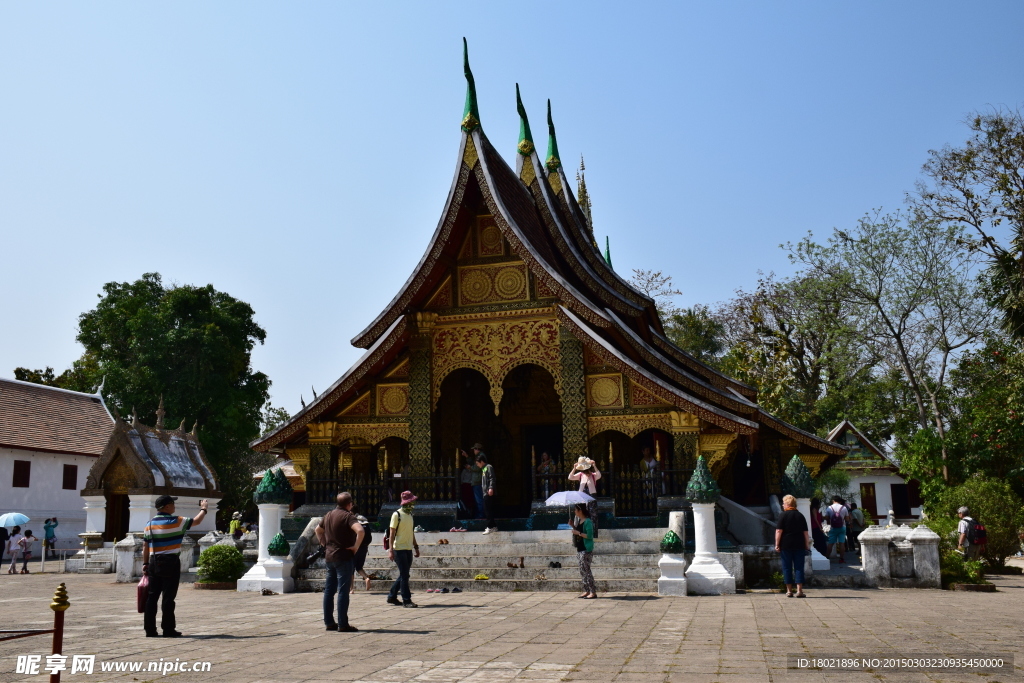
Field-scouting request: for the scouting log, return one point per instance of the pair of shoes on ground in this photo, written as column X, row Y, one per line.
column 490, row 529
column 166, row 634
column 455, row 529
column 343, row 629
column 438, row 590
column 554, row 565
column 394, row 601
column 442, row 541
column 513, row 565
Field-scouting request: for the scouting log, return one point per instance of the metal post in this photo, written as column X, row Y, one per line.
column 59, row 605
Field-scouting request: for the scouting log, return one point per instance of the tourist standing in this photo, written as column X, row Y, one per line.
column 466, row 489
column 818, row 538
column 49, row 537
column 478, row 488
column 487, row 483
column 14, row 548
column 546, row 466
column 838, row 518
column 792, row 542
column 586, row 473
column 235, row 525
column 583, row 539
column 162, row 540
column 359, row 560
column 966, row 535
column 341, row 534
column 402, row 547
column 856, row 526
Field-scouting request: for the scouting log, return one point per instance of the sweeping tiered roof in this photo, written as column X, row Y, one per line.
column 537, row 214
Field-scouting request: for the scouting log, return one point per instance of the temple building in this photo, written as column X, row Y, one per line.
column 516, row 332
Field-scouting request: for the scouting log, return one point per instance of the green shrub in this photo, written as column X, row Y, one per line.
column 777, row 581
column 993, row 503
column 221, row 564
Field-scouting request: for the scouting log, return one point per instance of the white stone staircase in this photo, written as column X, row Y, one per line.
column 100, row 561
column 624, row 560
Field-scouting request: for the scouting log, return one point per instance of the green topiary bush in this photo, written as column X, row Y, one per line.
column 221, row 564
column 671, row 544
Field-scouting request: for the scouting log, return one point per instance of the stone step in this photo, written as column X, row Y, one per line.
column 94, row 564
column 528, row 574
column 95, row 570
column 531, row 561
column 557, row 536
column 496, row 549
column 503, row 585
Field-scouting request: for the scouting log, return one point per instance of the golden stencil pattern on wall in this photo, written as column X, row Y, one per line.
column 372, row 434
column 717, row 448
column 591, row 359
column 630, row 425
column 543, row 291
column 489, row 237
column 400, row 370
column 641, row 397
column 392, row 399
column 466, row 250
column 494, row 349
column 360, row 406
column 442, row 298
column 493, row 283
column 470, row 157
column 605, row 391
column 118, row 477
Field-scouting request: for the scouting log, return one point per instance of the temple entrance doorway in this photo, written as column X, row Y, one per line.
column 748, row 481
column 116, row 526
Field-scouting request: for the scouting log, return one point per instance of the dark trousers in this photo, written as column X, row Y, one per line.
column 793, row 566
column 489, row 510
column 164, row 573
column 403, row 558
column 339, row 580
column 478, row 496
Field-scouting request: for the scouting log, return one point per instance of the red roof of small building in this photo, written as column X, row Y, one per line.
column 41, row 418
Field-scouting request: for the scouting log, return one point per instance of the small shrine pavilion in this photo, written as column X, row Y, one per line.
column 514, row 331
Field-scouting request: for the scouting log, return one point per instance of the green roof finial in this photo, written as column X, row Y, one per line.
column 607, row 250
column 526, row 146
column 471, row 114
column 553, row 162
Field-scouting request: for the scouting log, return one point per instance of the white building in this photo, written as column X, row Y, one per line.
column 875, row 477
column 49, row 439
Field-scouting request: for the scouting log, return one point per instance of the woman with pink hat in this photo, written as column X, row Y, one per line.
column 402, row 547
column 586, row 473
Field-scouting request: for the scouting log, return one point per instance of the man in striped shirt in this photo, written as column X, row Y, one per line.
column 162, row 539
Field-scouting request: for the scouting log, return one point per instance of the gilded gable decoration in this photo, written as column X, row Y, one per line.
column 400, row 370
column 360, row 406
column 494, row 283
column 470, row 157
column 442, row 298
column 605, row 391
column 489, row 240
column 641, row 397
column 392, row 399
column 630, row 425
column 373, row 433
column 495, row 349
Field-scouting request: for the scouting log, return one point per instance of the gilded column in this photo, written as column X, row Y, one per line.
column 420, row 439
column 574, row 397
column 320, row 471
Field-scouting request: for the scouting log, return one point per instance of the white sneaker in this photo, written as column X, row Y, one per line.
column 489, row 530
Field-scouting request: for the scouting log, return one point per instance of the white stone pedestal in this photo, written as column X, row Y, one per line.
column 270, row 572
column 706, row 575
column 673, row 577
column 819, row 562
column 128, row 554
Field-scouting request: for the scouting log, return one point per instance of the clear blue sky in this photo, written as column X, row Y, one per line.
column 297, row 155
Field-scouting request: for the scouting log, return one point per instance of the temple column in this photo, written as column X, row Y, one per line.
column 421, row 394
column 320, row 470
column 574, row 397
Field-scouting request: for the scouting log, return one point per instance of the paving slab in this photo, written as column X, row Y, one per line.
column 524, row 636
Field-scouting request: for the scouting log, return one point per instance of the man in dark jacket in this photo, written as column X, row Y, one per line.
column 487, row 483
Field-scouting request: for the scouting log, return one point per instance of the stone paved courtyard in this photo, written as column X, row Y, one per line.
column 516, row 636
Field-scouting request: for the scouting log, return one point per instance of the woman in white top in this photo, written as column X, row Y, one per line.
column 586, row 473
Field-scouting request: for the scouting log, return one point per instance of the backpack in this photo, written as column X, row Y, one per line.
column 387, row 535
column 836, row 520
column 976, row 534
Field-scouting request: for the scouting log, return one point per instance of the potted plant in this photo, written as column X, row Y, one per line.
column 220, row 567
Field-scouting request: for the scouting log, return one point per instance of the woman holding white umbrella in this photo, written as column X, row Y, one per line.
column 586, row 473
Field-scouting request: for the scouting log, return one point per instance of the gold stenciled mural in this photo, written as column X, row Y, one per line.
column 494, row 349
column 392, row 399
column 605, row 391
column 493, row 283
column 489, row 237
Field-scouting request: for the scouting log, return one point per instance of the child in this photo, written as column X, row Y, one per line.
column 25, row 543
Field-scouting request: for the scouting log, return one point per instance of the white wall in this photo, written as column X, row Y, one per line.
column 45, row 496
column 883, row 492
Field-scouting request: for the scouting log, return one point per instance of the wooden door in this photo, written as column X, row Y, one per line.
column 868, row 501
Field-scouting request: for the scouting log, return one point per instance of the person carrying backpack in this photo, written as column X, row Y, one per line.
column 838, row 518
column 972, row 534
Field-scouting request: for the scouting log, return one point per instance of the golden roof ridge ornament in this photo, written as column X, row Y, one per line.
column 553, row 161
column 471, row 113
column 525, row 146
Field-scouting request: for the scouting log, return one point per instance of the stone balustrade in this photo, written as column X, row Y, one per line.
column 900, row 557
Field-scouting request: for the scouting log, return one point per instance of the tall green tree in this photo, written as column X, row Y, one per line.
column 978, row 188
column 917, row 301
column 697, row 331
column 192, row 346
